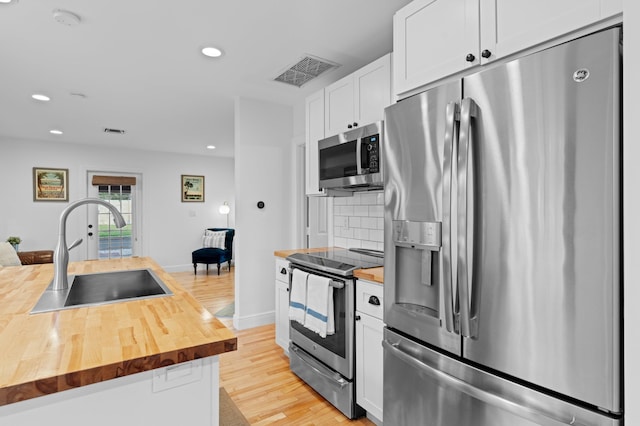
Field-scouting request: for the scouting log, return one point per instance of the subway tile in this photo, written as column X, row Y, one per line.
column 361, row 210
column 370, row 245
column 381, row 223
column 376, row 211
column 347, row 232
column 380, row 198
column 341, row 221
column 339, row 201
column 376, row 235
column 368, row 198
column 361, row 234
column 347, row 211
column 354, row 222
column 340, row 242
column 369, row 222
column 354, row 243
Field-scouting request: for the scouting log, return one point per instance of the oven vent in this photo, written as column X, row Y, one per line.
column 114, row 131
column 304, row 70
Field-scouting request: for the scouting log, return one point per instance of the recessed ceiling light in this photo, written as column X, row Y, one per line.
column 211, row 147
column 55, row 132
column 40, row 97
column 211, row 52
column 8, row 1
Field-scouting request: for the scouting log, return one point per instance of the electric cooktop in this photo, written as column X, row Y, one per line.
column 340, row 262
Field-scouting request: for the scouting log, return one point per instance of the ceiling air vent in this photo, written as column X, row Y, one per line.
column 114, row 131
column 305, row 70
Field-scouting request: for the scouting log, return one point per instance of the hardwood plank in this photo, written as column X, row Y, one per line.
column 257, row 376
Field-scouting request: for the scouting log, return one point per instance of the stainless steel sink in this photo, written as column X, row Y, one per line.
column 103, row 288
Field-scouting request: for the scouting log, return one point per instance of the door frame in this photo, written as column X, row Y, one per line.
column 137, row 208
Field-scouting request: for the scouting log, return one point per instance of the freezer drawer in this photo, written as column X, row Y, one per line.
column 424, row 387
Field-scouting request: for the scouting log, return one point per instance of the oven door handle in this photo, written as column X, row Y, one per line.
column 334, row 283
column 338, row 381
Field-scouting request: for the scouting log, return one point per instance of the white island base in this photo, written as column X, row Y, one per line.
column 180, row 394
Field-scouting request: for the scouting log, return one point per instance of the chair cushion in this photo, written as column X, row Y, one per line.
column 8, row 256
column 209, row 255
column 214, row 239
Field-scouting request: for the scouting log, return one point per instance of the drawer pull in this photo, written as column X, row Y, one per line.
column 374, row 300
column 283, row 271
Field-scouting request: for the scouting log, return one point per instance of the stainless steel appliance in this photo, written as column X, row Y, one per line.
column 502, row 242
column 350, row 161
column 327, row 364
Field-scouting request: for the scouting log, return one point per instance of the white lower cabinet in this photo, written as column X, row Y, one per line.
column 369, row 356
column 282, row 303
column 180, row 394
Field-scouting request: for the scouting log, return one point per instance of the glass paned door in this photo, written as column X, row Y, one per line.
column 115, row 242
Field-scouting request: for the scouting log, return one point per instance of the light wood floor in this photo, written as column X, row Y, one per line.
column 257, row 375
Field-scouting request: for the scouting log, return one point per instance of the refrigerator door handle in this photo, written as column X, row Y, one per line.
column 465, row 182
column 450, row 146
column 542, row 418
column 359, row 156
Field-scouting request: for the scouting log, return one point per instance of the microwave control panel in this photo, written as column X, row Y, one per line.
column 371, row 153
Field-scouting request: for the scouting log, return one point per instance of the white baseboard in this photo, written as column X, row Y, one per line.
column 256, row 320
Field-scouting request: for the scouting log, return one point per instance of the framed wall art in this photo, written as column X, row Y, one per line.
column 50, row 184
column 192, row 188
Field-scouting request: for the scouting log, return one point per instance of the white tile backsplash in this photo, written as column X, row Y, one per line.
column 358, row 221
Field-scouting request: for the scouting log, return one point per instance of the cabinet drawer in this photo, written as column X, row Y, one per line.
column 369, row 298
column 282, row 270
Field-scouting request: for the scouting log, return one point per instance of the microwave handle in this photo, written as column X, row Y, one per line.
column 359, row 156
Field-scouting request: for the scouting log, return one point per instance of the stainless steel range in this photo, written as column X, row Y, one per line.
column 327, row 364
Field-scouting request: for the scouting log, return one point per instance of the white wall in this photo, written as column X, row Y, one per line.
column 171, row 230
column 263, row 172
column 631, row 211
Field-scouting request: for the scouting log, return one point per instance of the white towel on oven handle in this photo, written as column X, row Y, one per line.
column 298, row 296
column 319, row 317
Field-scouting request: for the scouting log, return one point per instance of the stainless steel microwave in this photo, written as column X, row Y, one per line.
column 352, row 161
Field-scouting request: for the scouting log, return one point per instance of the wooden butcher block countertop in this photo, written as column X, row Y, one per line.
column 370, row 274
column 50, row 352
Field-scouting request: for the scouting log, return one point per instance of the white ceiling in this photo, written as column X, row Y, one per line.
column 138, row 63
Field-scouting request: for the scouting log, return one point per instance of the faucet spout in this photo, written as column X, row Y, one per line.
column 61, row 253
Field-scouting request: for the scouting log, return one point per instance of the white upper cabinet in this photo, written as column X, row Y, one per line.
column 314, row 131
column 359, row 98
column 509, row 26
column 433, row 39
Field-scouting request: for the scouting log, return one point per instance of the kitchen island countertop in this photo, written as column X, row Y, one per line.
column 50, row 352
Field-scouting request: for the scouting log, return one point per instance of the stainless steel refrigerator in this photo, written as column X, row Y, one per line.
column 503, row 244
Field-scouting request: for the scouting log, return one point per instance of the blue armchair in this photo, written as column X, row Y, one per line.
column 208, row 255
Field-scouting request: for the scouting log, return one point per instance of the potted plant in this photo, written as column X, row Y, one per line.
column 14, row 241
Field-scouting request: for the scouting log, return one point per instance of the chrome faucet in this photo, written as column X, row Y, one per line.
column 61, row 254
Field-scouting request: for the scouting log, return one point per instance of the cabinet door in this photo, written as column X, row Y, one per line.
column 314, row 131
column 372, row 91
column 432, row 39
column 509, row 26
column 338, row 107
column 369, row 364
column 282, row 315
